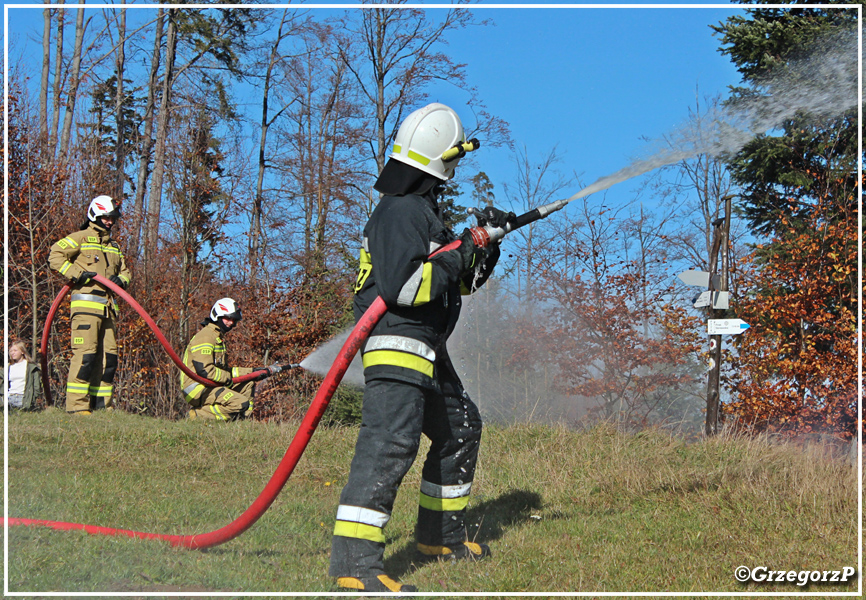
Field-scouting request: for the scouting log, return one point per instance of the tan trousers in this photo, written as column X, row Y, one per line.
column 90, row 384
column 226, row 403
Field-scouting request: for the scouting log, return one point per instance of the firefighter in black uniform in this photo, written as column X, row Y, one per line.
column 411, row 385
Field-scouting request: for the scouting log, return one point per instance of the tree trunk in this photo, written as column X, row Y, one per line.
column 151, row 233
column 58, row 67
column 256, row 239
column 46, row 72
column 120, row 142
column 74, row 81
column 34, row 270
column 147, row 139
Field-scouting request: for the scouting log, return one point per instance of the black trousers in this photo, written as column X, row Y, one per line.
column 394, row 415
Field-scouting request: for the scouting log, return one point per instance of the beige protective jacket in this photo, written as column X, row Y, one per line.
column 90, row 249
column 206, row 355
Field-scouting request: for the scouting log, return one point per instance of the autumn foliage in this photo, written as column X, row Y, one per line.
column 796, row 370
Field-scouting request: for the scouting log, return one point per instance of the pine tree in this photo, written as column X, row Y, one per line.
column 795, row 370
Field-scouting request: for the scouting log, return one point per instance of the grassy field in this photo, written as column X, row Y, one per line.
column 563, row 510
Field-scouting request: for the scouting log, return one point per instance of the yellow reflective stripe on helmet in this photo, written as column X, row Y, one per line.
column 65, row 267
column 360, row 531
column 418, row 158
column 398, row 359
column 442, row 504
column 397, row 148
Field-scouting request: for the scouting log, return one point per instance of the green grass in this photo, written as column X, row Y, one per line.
column 563, row 510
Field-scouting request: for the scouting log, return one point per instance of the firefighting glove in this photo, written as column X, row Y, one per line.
column 117, row 281
column 86, row 276
column 494, row 217
column 471, row 254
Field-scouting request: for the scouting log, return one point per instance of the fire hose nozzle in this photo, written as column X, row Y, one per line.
column 460, row 150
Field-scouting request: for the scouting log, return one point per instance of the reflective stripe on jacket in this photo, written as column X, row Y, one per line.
column 90, row 249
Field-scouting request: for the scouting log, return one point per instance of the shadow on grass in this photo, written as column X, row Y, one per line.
column 487, row 521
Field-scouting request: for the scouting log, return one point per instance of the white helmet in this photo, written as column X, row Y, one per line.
column 102, row 206
column 426, row 137
column 225, row 307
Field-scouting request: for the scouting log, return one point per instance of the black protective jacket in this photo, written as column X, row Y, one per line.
column 423, row 296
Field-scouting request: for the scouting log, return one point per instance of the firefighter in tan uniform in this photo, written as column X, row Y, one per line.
column 79, row 257
column 206, row 355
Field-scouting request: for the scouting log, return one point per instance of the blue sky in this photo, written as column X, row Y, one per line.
column 590, row 80
column 594, row 82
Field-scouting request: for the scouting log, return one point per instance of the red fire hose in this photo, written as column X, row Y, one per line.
column 46, row 332
column 287, row 465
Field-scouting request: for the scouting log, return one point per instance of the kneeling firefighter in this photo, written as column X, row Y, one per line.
column 411, row 385
column 80, row 256
column 206, row 355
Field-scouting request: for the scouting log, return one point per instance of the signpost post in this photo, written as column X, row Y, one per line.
column 715, row 299
column 721, row 229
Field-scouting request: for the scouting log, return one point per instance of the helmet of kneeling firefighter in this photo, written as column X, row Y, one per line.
column 225, row 308
column 429, row 144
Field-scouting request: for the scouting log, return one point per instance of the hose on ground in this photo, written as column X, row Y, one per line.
column 290, row 459
column 46, row 333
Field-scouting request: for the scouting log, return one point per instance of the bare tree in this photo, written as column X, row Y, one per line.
column 697, row 191
column 46, row 73
column 74, row 82
column 57, row 83
column 204, row 34
column 535, row 184
column 324, row 142
column 146, row 149
column 257, row 237
column 119, row 103
column 397, row 59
